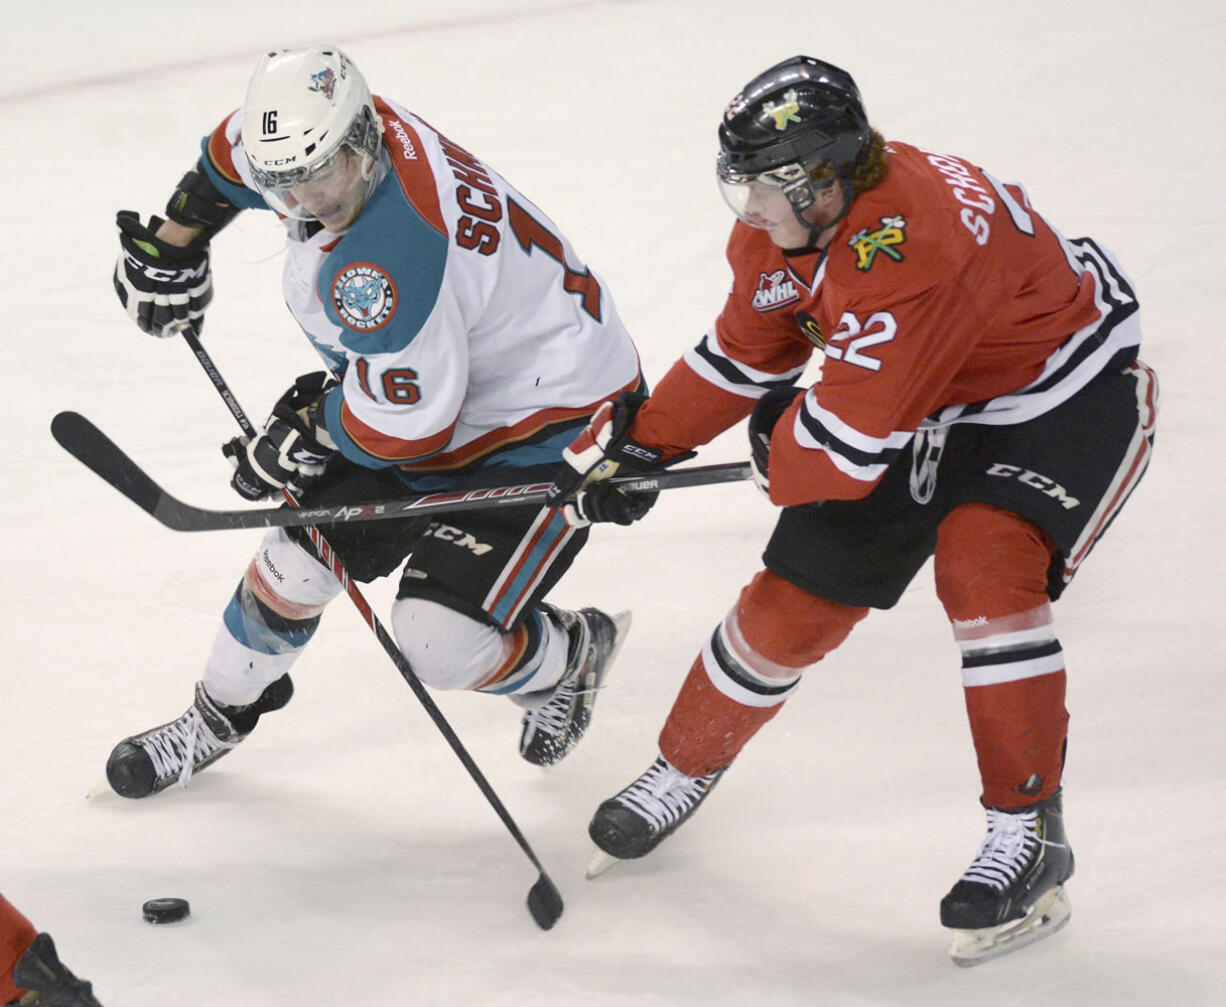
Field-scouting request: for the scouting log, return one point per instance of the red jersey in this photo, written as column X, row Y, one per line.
column 943, row 297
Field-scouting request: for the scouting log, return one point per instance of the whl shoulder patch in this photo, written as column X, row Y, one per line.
column 774, row 291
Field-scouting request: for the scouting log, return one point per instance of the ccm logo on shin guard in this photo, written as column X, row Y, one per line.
column 1048, row 487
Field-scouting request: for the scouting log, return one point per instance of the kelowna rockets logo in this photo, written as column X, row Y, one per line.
column 364, row 296
column 324, row 82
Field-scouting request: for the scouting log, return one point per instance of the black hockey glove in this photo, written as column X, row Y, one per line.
column 305, row 397
column 162, row 286
column 603, row 449
column 762, row 422
column 294, row 448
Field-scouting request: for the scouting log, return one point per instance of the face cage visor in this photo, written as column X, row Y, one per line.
column 341, row 182
column 770, row 198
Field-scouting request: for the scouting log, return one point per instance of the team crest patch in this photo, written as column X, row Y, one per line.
column 364, row 296
column 786, row 112
column 868, row 243
column 774, row 291
column 324, row 82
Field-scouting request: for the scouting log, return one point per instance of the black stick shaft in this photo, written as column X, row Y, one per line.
column 329, row 558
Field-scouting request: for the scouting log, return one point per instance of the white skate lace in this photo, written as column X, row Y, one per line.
column 180, row 746
column 553, row 717
column 1007, row 850
column 664, row 795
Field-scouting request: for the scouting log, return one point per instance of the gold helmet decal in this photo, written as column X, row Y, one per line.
column 785, row 113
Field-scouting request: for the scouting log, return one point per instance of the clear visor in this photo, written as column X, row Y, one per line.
column 769, row 199
column 331, row 191
column 757, row 203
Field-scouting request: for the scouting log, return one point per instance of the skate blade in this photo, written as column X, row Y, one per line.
column 621, row 630
column 600, row 863
column 1048, row 915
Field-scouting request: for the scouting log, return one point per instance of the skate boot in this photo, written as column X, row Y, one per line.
column 150, row 762
column 49, row 981
column 1013, row 893
column 552, row 729
column 633, row 823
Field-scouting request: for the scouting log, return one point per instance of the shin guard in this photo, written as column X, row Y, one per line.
column 748, row 669
column 991, row 573
column 707, row 727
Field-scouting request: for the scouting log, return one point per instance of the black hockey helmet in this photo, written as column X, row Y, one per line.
column 801, row 111
column 787, row 121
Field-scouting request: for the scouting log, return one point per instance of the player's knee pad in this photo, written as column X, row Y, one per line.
column 254, row 646
column 447, row 649
column 289, row 579
column 783, row 625
column 990, row 563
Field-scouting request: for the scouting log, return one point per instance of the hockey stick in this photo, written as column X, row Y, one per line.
column 90, row 446
column 544, row 899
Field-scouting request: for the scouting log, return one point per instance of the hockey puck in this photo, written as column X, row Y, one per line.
column 165, row 910
column 545, row 902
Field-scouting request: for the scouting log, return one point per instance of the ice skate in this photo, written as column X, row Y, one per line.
column 150, row 762
column 41, row 972
column 1013, row 893
column 634, row 822
column 552, row 729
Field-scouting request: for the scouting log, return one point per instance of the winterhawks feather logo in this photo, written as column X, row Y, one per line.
column 785, row 112
column 866, row 244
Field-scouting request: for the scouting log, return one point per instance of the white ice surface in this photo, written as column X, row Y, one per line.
column 343, row 856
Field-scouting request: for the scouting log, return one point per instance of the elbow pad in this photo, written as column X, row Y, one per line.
column 197, row 203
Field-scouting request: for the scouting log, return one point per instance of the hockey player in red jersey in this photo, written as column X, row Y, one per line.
column 31, row 972
column 980, row 399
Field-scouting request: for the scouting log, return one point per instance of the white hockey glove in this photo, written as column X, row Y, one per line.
column 601, row 450
column 162, row 286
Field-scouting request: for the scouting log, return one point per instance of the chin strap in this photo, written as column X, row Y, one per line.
column 816, row 231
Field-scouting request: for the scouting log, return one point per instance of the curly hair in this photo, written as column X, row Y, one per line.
column 871, row 165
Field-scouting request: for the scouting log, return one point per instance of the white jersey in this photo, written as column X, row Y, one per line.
column 466, row 328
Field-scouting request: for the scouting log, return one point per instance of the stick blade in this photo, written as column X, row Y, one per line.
column 545, row 903
column 93, row 449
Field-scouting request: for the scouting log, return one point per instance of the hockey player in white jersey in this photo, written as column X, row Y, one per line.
column 466, row 345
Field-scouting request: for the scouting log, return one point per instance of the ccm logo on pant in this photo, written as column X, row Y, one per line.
column 461, row 538
column 1047, row 487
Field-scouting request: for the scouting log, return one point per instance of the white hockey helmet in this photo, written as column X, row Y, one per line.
column 305, row 109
